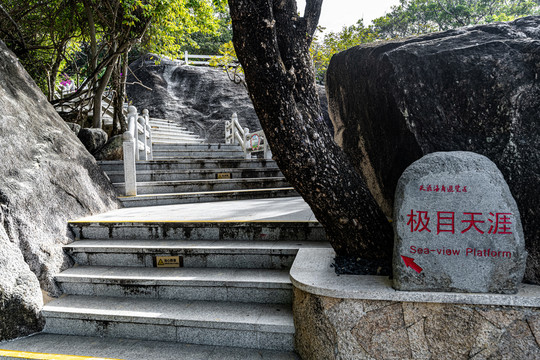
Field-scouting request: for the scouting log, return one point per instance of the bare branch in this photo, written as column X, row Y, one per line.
column 312, row 14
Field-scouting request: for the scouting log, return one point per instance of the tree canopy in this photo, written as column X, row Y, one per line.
column 93, row 38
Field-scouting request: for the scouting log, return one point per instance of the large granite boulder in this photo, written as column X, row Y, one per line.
column 46, row 178
column 472, row 89
column 200, row 98
column 93, row 139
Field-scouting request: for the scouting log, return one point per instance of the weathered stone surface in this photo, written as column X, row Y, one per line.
column 76, row 128
column 92, row 139
column 46, row 178
column 457, row 227
column 473, row 89
column 199, row 98
column 112, row 150
column 329, row 328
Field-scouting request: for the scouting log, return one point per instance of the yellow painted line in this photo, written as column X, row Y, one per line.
column 42, row 356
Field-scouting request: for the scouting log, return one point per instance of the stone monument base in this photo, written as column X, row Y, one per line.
column 363, row 317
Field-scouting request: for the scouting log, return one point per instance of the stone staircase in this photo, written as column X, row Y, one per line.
column 232, row 286
column 233, row 289
column 191, row 173
column 170, row 132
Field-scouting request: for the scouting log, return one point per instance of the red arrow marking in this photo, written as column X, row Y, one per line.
column 409, row 262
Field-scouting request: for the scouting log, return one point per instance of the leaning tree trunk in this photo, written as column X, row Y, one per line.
column 272, row 43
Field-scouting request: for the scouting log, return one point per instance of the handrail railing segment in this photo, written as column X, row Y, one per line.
column 137, row 145
column 250, row 142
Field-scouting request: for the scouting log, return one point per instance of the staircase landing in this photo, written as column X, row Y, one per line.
column 277, row 209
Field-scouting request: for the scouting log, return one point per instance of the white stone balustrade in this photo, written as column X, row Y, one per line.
column 137, row 145
column 250, row 142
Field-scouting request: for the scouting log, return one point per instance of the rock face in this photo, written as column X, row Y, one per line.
column 112, row 150
column 473, row 89
column 457, row 227
column 199, row 98
column 46, row 178
column 92, row 139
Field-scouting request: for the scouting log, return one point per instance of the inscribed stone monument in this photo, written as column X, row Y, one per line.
column 457, row 227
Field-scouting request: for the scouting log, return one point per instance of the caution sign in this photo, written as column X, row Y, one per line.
column 224, row 176
column 169, row 261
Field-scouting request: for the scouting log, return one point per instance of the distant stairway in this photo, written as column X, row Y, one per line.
column 190, row 173
column 170, row 132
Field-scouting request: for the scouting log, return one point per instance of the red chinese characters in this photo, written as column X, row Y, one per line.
column 443, row 188
column 497, row 223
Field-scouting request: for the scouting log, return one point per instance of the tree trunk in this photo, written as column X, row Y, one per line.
column 272, row 43
column 100, row 90
column 119, row 123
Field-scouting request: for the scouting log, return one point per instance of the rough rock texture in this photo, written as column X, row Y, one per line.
column 472, row 89
column 92, row 139
column 76, row 128
column 455, row 217
column 199, row 98
column 329, row 328
column 112, row 150
column 46, row 178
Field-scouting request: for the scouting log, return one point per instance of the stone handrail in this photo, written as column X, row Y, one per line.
column 187, row 58
column 137, row 145
column 250, row 142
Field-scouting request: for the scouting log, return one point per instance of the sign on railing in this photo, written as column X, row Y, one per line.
column 250, row 142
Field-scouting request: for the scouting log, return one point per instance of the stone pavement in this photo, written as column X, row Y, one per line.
column 278, row 209
column 45, row 345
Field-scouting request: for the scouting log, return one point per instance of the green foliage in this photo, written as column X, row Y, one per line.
column 90, row 38
column 332, row 43
column 412, row 17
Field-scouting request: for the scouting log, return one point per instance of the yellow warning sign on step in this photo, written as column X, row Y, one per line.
column 169, row 261
column 224, row 176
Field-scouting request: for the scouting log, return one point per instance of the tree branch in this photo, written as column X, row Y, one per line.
column 17, row 28
column 312, row 13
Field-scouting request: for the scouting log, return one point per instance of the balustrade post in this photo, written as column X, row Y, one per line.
column 130, row 176
column 228, row 132
column 146, row 115
column 142, row 137
column 132, row 128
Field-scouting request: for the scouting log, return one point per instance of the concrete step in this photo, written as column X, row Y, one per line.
column 164, row 130
column 164, row 122
column 190, row 164
column 197, row 174
column 156, row 134
column 232, row 254
column 200, row 147
column 177, row 141
column 200, row 230
column 206, row 154
column 198, row 186
column 134, row 349
column 203, row 197
column 211, row 284
column 260, row 326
